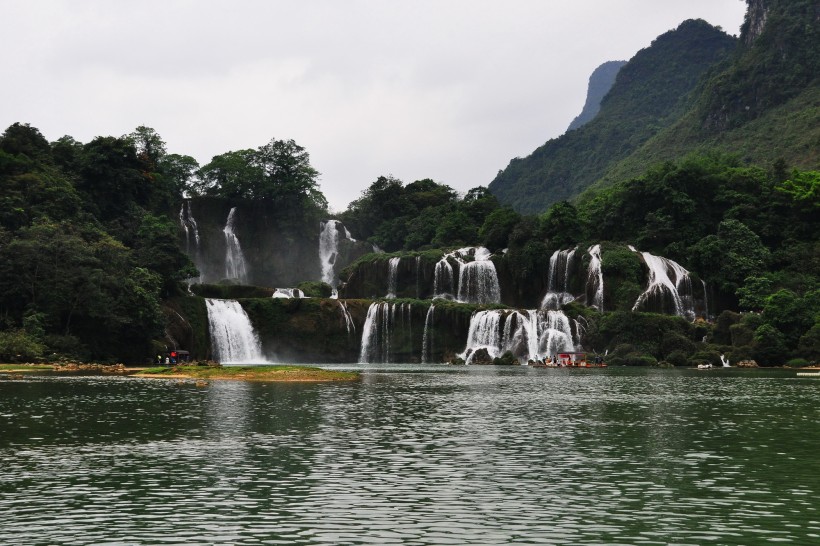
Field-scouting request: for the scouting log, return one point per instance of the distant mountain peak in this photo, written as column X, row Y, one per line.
column 600, row 82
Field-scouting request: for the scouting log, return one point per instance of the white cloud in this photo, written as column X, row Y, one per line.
column 446, row 90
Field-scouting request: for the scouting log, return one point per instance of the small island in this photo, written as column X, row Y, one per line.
column 248, row 373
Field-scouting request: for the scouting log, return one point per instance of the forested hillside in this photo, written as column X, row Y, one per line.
column 649, row 93
column 89, row 239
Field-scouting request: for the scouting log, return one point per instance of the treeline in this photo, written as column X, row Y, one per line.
column 89, row 244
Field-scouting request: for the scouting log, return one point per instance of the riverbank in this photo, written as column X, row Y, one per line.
column 248, row 373
column 238, row 373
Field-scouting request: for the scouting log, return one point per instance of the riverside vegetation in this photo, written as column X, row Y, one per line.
column 100, row 240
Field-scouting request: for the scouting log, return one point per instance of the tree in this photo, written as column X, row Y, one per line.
column 495, row 231
column 278, row 172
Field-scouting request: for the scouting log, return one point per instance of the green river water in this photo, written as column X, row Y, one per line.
column 414, row 455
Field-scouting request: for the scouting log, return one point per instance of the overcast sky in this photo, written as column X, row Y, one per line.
column 443, row 89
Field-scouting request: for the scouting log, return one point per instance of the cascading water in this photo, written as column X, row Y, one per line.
column 188, row 223
column 529, row 336
column 478, row 280
column 427, row 338
column 349, row 324
column 668, row 289
column 392, row 277
column 329, row 250
column 233, row 338
column 386, row 329
column 558, row 294
column 288, row 293
column 235, row 267
column 595, row 279
column 443, row 280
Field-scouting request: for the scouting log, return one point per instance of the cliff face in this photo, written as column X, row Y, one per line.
column 600, row 82
column 755, row 21
column 278, row 250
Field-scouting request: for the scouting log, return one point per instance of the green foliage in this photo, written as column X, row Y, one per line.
column 279, row 172
column 18, row 346
column 314, row 289
column 803, row 187
column 418, row 216
column 507, row 359
column 649, row 94
column 495, row 231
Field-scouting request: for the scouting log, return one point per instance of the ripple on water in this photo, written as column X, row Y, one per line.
column 482, row 456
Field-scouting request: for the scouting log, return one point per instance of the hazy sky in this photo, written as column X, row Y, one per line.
column 443, row 89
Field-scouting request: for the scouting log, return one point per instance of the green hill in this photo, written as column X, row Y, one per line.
column 760, row 101
column 648, row 95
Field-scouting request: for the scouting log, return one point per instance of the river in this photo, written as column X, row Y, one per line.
column 414, row 455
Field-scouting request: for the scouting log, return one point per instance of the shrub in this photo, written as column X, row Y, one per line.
column 314, row 289
column 797, row 363
column 17, row 346
column 677, row 358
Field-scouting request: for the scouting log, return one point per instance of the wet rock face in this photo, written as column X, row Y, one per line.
column 481, row 356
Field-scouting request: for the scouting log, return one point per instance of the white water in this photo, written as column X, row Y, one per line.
column 329, row 250
column 426, row 338
column 595, row 278
column 188, row 224
column 724, row 361
column 288, row 293
column 349, row 324
column 558, row 294
column 478, row 280
column 233, row 339
column 392, row 277
column 443, row 280
column 668, row 281
column 529, row 336
column 387, row 325
column 235, row 267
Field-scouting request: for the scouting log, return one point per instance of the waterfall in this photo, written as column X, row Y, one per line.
column 288, row 293
column 595, row 279
column 529, row 336
column 443, row 280
column 235, row 267
column 426, row 338
column 329, row 250
column 558, row 293
column 386, row 331
column 392, row 277
column 669, row 288
column 233, row 338
column 705, row 301
column 483, row 334
column 188, row 224
column 724, row 361
column 478, row 280
column 349, row 324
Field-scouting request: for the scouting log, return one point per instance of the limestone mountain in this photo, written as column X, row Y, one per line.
column 649, row 94
column 600, row 82
column 695, row 89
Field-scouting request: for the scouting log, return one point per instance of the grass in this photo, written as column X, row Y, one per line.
column 251, row 373
column 25, row 367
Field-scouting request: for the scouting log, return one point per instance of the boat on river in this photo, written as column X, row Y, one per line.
column 569, row 360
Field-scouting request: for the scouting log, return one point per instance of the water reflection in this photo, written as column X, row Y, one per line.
column 413, row 455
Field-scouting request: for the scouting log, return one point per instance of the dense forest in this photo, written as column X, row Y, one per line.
column 94, row 264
